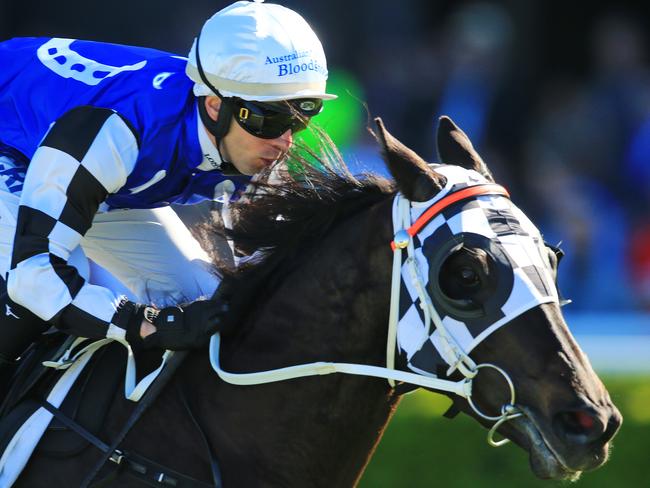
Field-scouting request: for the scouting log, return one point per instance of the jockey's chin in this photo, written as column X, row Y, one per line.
column 250, row 154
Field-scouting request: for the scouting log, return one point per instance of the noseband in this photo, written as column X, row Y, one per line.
column 404, row 232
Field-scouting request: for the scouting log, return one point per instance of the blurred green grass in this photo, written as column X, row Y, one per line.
column 422, row 449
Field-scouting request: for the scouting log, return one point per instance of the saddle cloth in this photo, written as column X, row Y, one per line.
column 82, row 382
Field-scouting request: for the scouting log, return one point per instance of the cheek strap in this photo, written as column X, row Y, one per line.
column 219, row 128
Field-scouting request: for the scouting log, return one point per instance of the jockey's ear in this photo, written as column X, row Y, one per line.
column 414, row 178
column 454, row 147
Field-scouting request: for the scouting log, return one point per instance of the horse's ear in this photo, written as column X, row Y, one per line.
column 454, row 147
column 414, row 178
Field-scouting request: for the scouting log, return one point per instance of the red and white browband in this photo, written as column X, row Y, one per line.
column 443, row 203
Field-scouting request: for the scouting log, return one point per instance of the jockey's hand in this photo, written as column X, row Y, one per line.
column 178, row 328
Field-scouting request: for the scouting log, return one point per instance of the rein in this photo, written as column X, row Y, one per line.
column 404, row 231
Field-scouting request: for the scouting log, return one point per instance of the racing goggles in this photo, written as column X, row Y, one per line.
column 269, row 120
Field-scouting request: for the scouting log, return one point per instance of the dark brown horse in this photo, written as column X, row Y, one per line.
column 324, row 295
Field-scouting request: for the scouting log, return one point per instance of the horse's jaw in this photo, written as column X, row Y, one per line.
column 545, row 462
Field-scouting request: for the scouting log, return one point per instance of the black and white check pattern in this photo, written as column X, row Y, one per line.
column 525, row 283
column 86, row 155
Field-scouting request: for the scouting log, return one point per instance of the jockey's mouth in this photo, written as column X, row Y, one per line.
column 270, row 159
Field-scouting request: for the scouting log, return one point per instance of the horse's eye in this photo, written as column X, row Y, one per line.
column 468, row 276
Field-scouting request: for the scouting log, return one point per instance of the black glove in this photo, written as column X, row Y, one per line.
column 177, row 328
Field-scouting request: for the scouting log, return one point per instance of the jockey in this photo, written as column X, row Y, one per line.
column 97, row 140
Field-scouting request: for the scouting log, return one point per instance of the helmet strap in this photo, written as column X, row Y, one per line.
column 218, row 128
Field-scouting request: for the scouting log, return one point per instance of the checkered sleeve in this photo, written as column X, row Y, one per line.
column 87, row 154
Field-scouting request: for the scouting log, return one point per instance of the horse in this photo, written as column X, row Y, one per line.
column 321, row 291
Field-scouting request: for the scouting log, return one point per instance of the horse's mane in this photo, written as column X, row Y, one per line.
column 287, row 210
column 291, row 212
column 296, row 202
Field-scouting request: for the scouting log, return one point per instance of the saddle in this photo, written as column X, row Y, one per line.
column 87, row 402
column 85, row 407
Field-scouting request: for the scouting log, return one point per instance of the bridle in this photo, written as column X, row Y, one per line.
column 404, row 231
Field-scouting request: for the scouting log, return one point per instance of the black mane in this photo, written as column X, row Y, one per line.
column 295, row 211
column 286, row 213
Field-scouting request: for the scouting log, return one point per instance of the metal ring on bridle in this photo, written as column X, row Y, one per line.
column 509, row 412
column 512, row 394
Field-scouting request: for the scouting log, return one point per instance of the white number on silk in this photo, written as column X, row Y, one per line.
column 56, row 55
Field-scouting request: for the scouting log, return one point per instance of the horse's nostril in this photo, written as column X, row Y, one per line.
column 579, row 426
column 583, row 420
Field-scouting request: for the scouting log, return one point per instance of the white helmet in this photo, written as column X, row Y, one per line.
column 258, row 51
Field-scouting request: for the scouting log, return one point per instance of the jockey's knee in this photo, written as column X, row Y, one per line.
column 18, row 327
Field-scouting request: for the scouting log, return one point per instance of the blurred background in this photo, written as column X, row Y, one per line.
column 556, row 98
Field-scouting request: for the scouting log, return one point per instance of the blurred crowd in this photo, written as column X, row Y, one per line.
column 554, row 95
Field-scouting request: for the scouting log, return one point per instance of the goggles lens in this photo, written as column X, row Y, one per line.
column 270, row 120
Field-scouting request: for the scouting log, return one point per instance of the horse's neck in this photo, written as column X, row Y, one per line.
column 331, row 302
column 318, row 430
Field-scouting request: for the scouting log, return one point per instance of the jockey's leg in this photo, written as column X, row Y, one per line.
column 153, row 253
column 102, row 277
column 18, row 326
column 18, row 329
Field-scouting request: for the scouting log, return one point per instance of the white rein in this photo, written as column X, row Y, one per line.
column 463, row 363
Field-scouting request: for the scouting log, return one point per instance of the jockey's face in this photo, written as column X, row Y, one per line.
column 249, row 154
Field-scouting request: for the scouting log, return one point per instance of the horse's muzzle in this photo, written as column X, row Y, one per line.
column 584, row 434
column 571, row 442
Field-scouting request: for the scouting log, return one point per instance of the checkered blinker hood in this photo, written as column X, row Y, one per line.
column 518, row 264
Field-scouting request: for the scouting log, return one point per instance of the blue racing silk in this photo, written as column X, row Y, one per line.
column 44, row 78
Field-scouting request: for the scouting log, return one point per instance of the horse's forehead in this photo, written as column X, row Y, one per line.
column 490, row 216
column 457, row 174
column 456, row 178
column 488, row 221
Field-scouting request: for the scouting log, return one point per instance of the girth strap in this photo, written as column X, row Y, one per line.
column 78, row 428
column 149, row 397
column 214, row 464
column 140, row 467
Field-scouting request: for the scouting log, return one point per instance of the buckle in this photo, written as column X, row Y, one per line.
column 150, row 314
column 165, row 479
column 117, row 457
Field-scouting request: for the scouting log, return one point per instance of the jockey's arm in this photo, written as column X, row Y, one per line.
column 86, row 155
